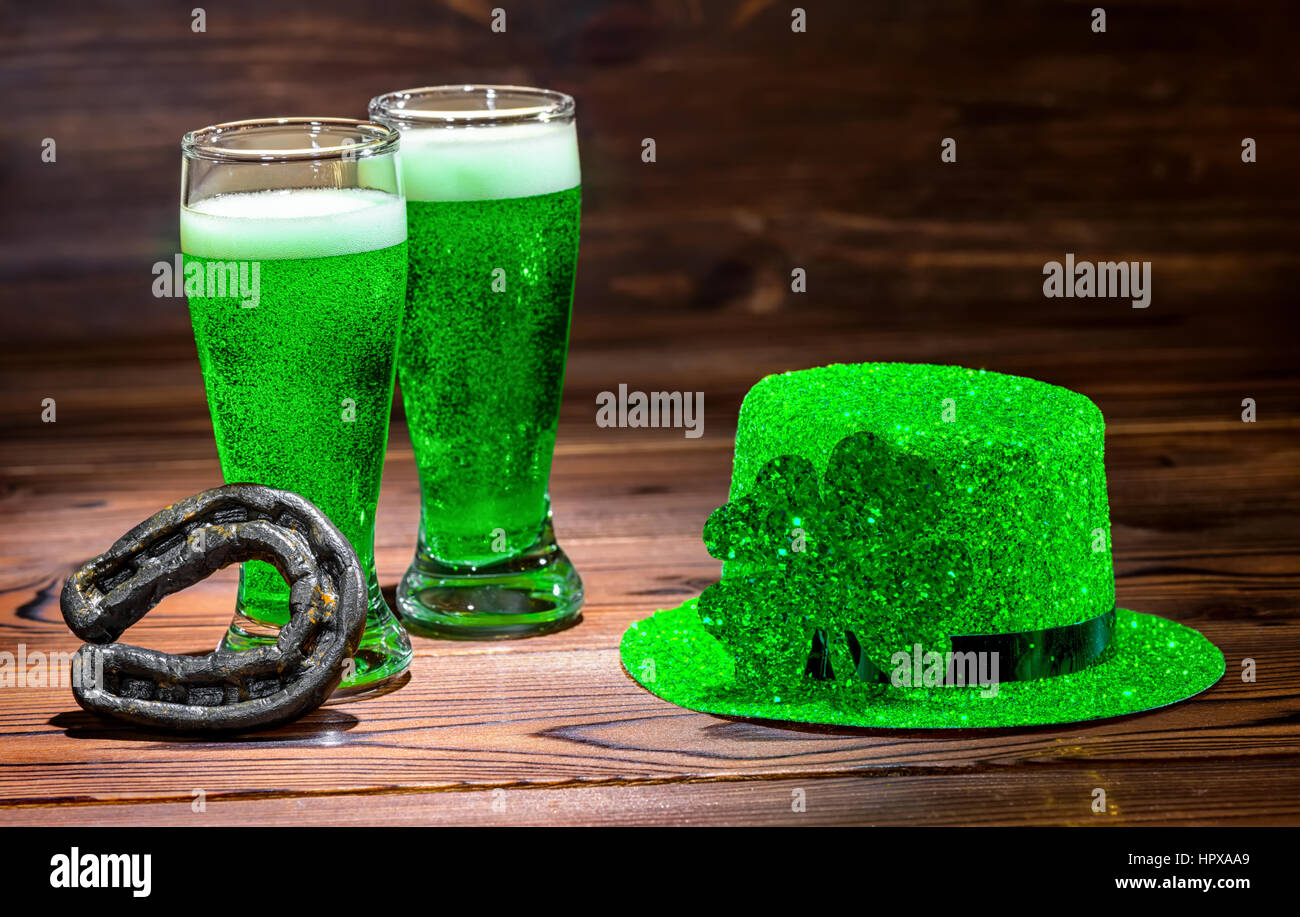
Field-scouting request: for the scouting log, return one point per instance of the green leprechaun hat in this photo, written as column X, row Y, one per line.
column 915, row 546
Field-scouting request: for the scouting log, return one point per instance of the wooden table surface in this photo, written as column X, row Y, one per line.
column 818, row 151
column 551, row 730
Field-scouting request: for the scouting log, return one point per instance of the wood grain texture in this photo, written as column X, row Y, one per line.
column 819, row 151
column 558, row 715
column 1189, row 794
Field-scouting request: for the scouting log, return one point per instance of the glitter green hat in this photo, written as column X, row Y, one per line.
column 915, row 546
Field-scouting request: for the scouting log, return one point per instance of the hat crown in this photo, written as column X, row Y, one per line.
column 918, row 501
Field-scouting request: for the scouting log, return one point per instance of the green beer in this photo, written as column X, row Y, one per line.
column 481, row 379
column 299, row 369
column 493, row 199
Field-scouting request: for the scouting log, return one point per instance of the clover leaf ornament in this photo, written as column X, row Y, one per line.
column 826, row 579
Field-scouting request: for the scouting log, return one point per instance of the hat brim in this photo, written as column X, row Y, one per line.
column 1151, row 662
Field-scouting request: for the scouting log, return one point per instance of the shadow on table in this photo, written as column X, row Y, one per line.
column 320, row 727
column 746, row 724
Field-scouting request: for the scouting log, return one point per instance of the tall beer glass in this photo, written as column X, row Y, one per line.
column 305, row 221
column 493, row 193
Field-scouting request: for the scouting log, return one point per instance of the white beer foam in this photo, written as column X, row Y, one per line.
column 292, row 223
column 489, row 163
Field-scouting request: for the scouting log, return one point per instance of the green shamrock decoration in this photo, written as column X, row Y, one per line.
column 825, row 583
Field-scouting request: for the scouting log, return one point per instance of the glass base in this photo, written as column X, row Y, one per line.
column 384, row 653
column 536, row 592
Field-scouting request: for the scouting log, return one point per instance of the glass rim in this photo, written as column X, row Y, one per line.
column 211, row 142
column 550, row 106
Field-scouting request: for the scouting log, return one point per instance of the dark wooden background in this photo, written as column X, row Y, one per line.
column 775, row 150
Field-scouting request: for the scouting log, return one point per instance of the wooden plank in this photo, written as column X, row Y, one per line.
column 508, row 714
column 1202, row 793
column 559, row 712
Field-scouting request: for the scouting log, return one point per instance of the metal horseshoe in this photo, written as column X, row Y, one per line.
column 224, row 690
